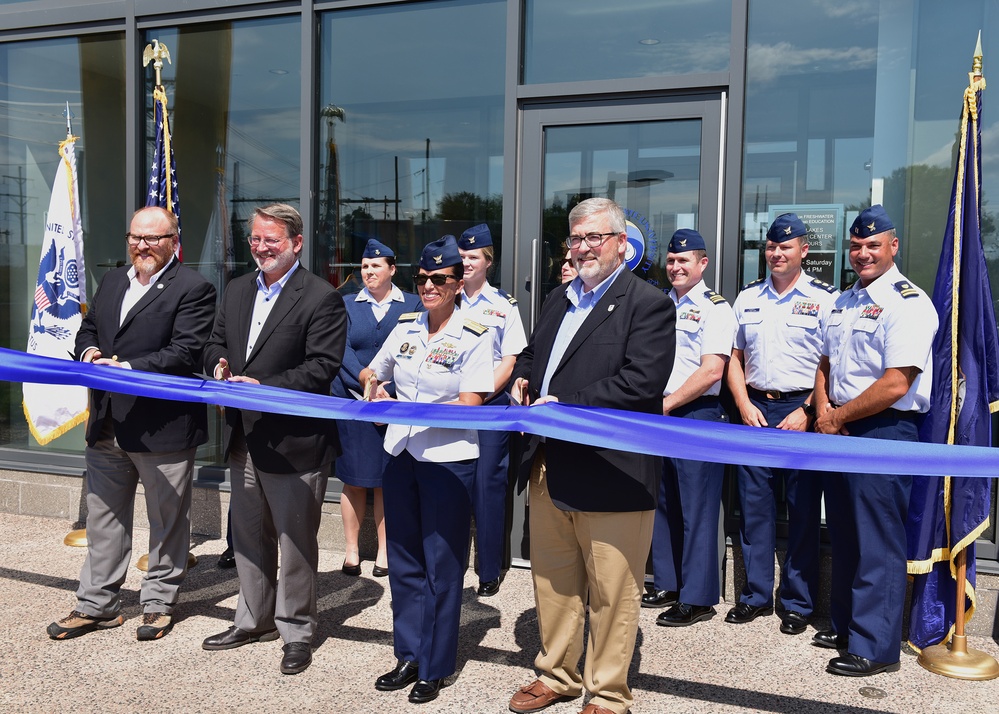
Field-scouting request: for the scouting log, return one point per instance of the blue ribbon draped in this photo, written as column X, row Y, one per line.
column 606, row 428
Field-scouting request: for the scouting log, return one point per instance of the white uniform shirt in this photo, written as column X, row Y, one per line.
column 380, row 309
column 705, row 325
column 889, row 324
column 500, row 314
column 781, row 336
column 433, row 371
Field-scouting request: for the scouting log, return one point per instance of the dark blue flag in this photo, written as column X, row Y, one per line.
column 163, row 173
column 947, row 514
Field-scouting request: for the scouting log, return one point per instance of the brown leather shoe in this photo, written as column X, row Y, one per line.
column 536, row 696
column 595, row 709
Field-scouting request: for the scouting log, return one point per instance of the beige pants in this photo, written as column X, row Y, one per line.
column 579, row 557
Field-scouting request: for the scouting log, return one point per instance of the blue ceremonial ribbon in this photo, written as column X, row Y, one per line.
column 605, row 428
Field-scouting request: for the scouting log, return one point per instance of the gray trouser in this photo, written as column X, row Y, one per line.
column 112, row 477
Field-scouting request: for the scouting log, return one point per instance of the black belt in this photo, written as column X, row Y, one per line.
column 773, row 394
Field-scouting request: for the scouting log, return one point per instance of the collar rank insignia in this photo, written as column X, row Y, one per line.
column 906, row 289
column 438, row 259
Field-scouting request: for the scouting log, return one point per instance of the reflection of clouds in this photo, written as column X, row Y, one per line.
column 990, row 147
column 766, row 63
column 682, row 55
column 856, row 10
column 587, row 9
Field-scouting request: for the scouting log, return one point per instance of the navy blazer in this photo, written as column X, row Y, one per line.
column 300, row 347
column 621, row 357
column 365, row 336
column 164, row 332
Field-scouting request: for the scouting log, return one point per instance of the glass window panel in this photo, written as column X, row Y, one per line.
column 577, row 40
column 37, row 79
column 411, row 130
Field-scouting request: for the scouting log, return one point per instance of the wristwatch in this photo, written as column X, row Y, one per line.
column 809, row 409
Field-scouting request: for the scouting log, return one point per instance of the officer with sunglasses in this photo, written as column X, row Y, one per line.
column 439, row 356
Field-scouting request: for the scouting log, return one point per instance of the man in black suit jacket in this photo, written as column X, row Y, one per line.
column 284, row 327
column 153, row 316
column 605, row 340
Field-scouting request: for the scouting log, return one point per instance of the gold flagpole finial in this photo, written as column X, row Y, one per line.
column 156, row 53
column 976, row 62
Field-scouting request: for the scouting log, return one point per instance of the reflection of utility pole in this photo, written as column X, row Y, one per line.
column 331, row 216
column 426, row 183
column 236, row 232
column 21, row 201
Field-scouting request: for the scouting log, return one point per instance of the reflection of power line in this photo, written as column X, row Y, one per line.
column 20, row 199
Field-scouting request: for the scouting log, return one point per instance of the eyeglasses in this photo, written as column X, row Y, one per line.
column 591, row 239
column 270, row 243
column 134, row 239
column 438, row 280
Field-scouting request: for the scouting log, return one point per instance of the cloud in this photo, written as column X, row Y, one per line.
column 766, row 63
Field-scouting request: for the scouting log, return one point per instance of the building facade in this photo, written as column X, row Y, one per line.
column 408, row 120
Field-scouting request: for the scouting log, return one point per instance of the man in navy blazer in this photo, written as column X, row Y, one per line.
column 154, row 316
column 284, row 327
column 606, row 339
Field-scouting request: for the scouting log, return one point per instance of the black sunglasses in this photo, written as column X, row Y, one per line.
column 438, row 280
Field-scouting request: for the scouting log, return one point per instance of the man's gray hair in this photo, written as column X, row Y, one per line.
column 281, row 213
column 593, row 206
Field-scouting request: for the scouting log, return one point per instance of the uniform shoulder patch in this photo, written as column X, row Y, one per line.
column 823, row 285
column 507, row 296
column 409, row 317
column 476, row 328
column 714, row 297
column 758, row 281
column 906, row 289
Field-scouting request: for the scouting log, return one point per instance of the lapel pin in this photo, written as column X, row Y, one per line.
column 610, row 308
column 159, row 286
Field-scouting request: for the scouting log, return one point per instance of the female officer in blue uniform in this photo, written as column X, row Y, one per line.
column 371, row 316
column 495, row 309
column 437, row 357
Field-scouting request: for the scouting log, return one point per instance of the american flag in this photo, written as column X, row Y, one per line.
column 41, row 299
column 163, row 190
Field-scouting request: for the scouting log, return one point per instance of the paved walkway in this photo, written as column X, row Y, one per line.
column 711, row 667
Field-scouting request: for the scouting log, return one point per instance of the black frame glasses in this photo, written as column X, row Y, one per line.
column 133, row 239
column 591, row 239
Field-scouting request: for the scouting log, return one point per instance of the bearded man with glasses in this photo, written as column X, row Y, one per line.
column 153, row 316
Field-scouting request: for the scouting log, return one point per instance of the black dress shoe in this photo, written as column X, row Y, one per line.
column 660, row 598
column 405, row 673
column 743, row 613
column 830, row 640
column 487, row 589
column 682, row 614
column 235, row 637
column 379, row 572
column 297, row 657
column 426, row 690
column 352, row 570
column 227, row 559
column 793, row 623
column 852, row 665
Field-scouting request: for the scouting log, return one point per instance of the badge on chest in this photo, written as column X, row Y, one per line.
column 443, row 355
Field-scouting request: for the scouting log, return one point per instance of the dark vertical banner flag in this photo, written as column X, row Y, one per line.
column 163, row 173
column 58, row 306
column 947, row 514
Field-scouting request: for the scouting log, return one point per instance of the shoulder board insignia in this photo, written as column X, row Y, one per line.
column 507, row 296
column 906, row 289
column 475, row 328
column 755, row 282
column 713, row 296
column 823, row 285
column 409, row 317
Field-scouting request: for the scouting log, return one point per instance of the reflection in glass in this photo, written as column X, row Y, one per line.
column 411, row 143
column 652, row 169
column 579, row 40
column 37, row 79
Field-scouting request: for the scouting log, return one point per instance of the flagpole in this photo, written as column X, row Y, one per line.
column 957, row 660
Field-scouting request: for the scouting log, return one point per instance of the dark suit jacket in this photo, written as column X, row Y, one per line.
column 164, row 332
column 300, row 347
column 621, row 357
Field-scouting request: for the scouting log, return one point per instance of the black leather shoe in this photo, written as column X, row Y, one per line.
column 352, row 570
column 660, row 598
column 830, row 640
column 405, row 673
column 426, row 690
column 379, row 572
column 743, row 613
column 855, row 666
column 297, row 657
column 682, row 614
column 235, row 637
column 487, row 589
column 793, row 623
column 227, row 559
